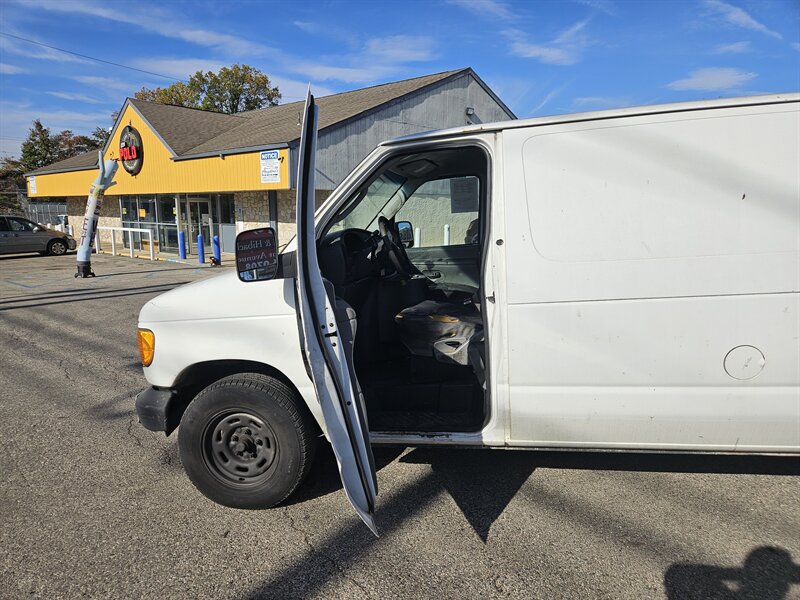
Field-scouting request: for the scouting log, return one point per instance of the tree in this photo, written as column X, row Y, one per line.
column 178, row 94
column 42, row 148
column 231, row 90
column 100, row 136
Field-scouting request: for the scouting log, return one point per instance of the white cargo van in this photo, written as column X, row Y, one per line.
column 624, row 280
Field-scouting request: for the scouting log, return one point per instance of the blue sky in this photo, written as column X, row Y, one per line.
column 540, row 57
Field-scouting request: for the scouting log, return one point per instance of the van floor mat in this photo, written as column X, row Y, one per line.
column 417, row 421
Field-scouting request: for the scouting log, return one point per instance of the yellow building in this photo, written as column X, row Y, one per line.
column 208, row 173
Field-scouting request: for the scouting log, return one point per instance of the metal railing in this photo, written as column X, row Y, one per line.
column 130, row 231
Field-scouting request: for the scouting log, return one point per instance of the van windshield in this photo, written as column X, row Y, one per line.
column 382, row 197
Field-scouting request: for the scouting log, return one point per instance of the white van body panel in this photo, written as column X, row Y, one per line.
column 633, row 258
column 222, row 318
column 640, row 252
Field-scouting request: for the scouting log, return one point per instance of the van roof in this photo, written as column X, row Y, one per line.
column 600, row 115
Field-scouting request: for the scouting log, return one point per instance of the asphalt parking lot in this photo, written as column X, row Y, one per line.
column 93, row 505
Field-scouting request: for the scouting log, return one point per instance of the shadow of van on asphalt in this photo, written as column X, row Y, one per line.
column 483, row 482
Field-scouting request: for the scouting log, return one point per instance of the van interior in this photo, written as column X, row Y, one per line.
column 405, row 253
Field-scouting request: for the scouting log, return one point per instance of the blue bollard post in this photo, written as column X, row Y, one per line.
column 201, row 251
column 217, row 253
column 182, row 245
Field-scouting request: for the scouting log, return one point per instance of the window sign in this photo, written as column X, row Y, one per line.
column 256, row 254
column 270, row 167
column 32, row 184
column 464, row 194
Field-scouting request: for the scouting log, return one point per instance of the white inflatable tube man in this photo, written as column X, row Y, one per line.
column 94, row 203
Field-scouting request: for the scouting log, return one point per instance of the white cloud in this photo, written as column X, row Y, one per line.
column 293, row 90
column 325, row 72
column 733, row 15
column 17, row 118
column 513, row 90
column 75, row 97
column 400, row 48
column 107, row 83
column 485, row 8
column 309, row 27
column 179, row 68
column 566, row 49
column 38, row 52
column 6, row 69
column 378, row 59
column 713, row 79
column 156, row 20
column 605, row 6
column 550, row 95
column 341, row 35
column 734, row 48
column 383, row 57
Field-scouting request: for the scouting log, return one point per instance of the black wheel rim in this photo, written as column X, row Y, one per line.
column 239, row 448
column 58, row 248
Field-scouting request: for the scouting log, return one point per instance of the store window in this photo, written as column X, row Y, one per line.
column 156, row 213
column 227, row 214
column 167, row 223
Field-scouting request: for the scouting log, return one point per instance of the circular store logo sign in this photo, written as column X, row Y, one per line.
column 131, row 152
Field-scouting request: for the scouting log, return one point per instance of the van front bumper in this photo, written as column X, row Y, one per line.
column 159, row 409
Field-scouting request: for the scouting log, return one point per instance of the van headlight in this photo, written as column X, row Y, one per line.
column 147, row 346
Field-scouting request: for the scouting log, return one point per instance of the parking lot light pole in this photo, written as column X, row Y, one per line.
column 94, row 203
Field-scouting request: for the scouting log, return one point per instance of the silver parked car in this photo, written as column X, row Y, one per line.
column 18, row 234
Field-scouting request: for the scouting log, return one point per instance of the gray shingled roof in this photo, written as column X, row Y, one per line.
column 279, row 124
column 184, row 128
column 190, row 131
column 87, row 160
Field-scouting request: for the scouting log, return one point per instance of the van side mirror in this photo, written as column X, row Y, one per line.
column 256, row 254
column 406, row 232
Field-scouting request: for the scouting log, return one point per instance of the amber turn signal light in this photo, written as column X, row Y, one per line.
column 147, row 346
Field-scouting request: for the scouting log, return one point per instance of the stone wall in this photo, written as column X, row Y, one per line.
column 252, row 210
column 287, row 217
column 109, row 216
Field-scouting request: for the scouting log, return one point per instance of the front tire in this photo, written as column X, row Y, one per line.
column 247, row 441
column 57, row 248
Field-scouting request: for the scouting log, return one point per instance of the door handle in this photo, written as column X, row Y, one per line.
column 432, row 274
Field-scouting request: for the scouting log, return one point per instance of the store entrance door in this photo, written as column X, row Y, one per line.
column 200, row 222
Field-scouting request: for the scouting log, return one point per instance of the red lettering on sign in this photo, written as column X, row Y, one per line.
column 128, row 153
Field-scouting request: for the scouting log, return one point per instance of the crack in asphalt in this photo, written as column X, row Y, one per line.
column 165, row 458
column 63, row 368
column 130, row 433
column 333, row 562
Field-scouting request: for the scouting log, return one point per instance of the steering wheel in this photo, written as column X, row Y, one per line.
column 396, row 253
